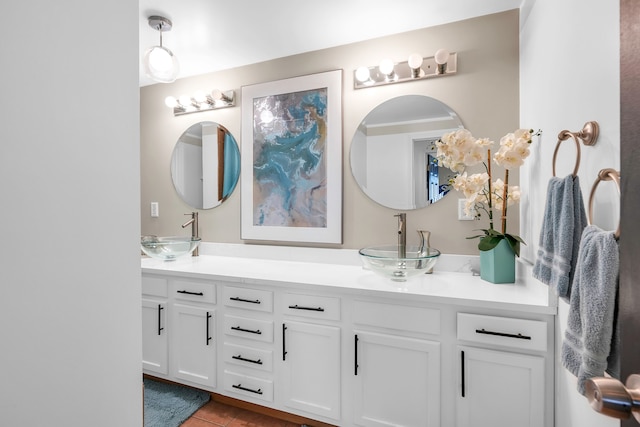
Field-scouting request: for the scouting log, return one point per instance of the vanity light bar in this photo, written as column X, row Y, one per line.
column 416, row 67
column 201, row 101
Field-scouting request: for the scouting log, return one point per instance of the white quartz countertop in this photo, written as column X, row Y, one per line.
column 458, row 288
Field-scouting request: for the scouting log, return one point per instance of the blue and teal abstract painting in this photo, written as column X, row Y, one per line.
column 289, row 159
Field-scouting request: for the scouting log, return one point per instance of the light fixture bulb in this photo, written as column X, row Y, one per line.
column 441, row 56
column 415, row 61
column 185, row 100
column 200, row 96
column 362, row 74
column 216, row 94
column 386, row 67
column 171, row 101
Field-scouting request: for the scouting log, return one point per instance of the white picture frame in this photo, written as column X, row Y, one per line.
column 291, row 183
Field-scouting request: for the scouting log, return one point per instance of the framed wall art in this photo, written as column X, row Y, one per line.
column 291, row 186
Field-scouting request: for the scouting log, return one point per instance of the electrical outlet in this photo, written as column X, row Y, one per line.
column 462, row 216
column 155, row 210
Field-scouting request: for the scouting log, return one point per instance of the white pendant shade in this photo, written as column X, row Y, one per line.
column 160, row 64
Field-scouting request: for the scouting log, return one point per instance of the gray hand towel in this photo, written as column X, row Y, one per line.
column 591, row 344
column 562, row 225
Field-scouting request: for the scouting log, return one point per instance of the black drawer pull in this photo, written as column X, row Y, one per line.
column 191, row 293
column 239, row 386
column 207, row 325
column 160, row 328
column 502, row 334
column 244, row 359
column 238, row 328
column 284, row 345
column 356, row 355
column 298, row 307
column 257, row 301
column 462, row 386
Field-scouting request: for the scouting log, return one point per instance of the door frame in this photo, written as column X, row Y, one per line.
column 629, row 291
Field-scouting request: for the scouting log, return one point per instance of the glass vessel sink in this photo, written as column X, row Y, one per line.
column 385, row 261
column 168, row 248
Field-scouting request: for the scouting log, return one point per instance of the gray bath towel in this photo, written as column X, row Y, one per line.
column 591, row 342
column 562, row 225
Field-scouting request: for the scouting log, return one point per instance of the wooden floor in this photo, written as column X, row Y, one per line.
column 215, row 414
column 229, row 412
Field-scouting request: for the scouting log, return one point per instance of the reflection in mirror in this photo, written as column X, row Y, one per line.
column 393, row 153
column 205, row 165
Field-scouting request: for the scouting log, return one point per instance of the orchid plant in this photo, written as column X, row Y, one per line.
column 458, row 150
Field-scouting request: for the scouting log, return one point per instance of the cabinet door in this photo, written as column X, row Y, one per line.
column 193, row 344
column 154, row 336
column 397, row 381
column 500, row 389
column 311, row 368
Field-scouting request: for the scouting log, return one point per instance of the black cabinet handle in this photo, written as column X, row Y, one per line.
column 356, row 355
column 244, row 359
column 160, row 328
column 284, row 345
column 502, row 334
column 300, row 307
column 208, row 337
column 251, row 331
column 239, row 386
column 462, row 372
column 257, row 301
column 191, row 293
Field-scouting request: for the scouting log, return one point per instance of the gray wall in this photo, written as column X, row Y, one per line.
column 484, row 93
column 69, row 217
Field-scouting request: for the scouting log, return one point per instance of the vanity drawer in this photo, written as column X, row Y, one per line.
column 314, row 306
column 504, row 331
column 250, row 299
column 255, row 358
column 191, row 290
column 154, row 286
column 253, row 329
column 398, row 317
column 245, row 385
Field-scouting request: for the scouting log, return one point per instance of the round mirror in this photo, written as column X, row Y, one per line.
column 393, row 152
column 205, row 165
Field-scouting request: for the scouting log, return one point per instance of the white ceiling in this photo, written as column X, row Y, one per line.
column 212, row 35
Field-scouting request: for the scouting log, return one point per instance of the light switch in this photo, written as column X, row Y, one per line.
column 462, row 216
column 155, row 210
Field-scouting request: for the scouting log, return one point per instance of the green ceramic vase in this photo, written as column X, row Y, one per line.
column 499, row 264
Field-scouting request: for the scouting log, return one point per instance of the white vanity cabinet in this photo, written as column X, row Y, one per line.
column 345, row 348
column 396, row 378
column 311, row 355
column 503, row 379
column 193, row 332
column 154, row 322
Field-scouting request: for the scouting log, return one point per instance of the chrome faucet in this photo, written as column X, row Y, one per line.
column 402, row 235
column 194, row 228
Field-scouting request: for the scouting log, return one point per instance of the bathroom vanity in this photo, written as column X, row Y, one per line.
column 310, row 332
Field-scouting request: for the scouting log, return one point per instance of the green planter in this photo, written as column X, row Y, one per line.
column 499, row 264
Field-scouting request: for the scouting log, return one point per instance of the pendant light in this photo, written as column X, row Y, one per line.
column 160, row 64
